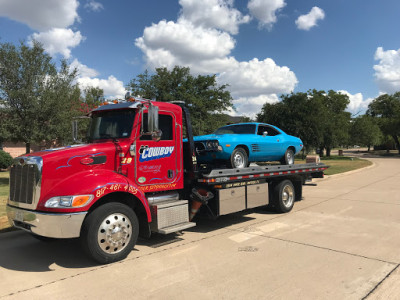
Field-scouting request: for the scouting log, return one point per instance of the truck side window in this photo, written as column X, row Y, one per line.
column 165, row 124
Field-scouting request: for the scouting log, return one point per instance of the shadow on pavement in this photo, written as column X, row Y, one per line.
column 20, row 251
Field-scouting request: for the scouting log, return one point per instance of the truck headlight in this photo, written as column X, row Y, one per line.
column 68, row 201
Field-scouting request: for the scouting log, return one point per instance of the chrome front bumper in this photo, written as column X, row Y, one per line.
column 46, row 224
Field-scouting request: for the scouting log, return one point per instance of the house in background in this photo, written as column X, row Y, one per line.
column 17, row 149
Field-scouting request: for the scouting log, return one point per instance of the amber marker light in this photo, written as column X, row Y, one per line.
column 228, row 145
column 81, row 200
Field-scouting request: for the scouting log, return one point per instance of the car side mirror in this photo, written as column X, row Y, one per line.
column 265, row 133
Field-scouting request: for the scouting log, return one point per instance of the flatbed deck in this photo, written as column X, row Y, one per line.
column 231, row 175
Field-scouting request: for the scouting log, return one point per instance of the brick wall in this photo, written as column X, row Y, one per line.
column 17, row 149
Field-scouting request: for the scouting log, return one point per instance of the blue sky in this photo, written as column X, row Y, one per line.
column 261, row 48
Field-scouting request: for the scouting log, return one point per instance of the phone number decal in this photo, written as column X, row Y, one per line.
column 114, row 187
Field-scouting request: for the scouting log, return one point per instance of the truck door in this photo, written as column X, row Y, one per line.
column 156, row 161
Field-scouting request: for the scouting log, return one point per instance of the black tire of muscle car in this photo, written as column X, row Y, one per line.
column 238, row 158
column 288, row 158
column 283, row 196
column 110, row 232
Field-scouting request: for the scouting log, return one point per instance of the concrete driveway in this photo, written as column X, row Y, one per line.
column 341, row 242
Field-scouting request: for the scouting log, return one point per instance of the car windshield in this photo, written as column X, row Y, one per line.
column 237, row 129
column 111, row 124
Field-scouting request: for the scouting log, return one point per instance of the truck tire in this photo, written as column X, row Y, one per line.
column 238, row 158
column 283, row 196
column 110, row 232
column 288, row 158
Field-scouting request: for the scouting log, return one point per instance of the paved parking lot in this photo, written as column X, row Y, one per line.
column 341, row 242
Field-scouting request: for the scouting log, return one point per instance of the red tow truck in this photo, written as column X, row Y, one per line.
column 136, row 176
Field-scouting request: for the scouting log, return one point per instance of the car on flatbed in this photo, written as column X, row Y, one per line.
column 238, row 145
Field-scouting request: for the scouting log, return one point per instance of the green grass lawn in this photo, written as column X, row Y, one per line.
column 3, row 192
column 4, row 225
column 341, row 164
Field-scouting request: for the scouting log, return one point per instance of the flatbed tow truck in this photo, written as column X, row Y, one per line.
column 137, row 176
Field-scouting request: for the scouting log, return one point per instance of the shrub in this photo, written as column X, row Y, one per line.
column 5, row 160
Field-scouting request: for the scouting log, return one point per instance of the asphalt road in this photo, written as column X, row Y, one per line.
column 341, row 242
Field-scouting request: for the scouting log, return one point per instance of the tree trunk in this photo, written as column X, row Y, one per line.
column 321, row 151
column 27, row 147
column 396, row 140
column 328, row 151
column 369, row 147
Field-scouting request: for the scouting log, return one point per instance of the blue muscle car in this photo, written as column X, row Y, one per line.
column 239, row 144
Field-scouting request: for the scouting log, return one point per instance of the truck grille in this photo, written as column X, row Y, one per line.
column 22, row 183
column 25, row 181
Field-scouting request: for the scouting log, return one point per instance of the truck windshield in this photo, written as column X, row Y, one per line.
column 237, row 129
column 111, row 124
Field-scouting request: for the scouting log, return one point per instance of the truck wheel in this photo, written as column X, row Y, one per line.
column 283, row 196
column 288, row 158
column 110, row 232
column 238, row 158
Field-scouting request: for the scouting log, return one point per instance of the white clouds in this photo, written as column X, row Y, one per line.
column 265, row 10
column 198, row 41
column 213, row 14
column 357, row 103
column 94, row 6
column 251, row 106
column 41, row 14
column 306, row 22
column 387, row 72
column 83, row 70
column 256, row 78
column 185, row 41
column 112, row 87
column 50, row 17
column 59, row 40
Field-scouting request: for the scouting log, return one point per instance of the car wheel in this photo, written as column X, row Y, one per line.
column 239, row 158
column 288, row 158
column 110, row 232
column 283, row 196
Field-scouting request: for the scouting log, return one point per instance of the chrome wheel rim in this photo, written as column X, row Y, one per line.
column 290, row 158
column 238, row 160
column 114, row 233
column 287, row 196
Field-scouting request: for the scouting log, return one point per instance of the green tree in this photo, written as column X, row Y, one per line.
column 336, row 121
column 317, row 117
column 4, row 133
column 386, row 109
column 206, row 100
column 93, row 96
column 39, row 99
column 365, row 131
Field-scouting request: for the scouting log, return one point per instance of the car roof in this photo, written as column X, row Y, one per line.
column 248, row 123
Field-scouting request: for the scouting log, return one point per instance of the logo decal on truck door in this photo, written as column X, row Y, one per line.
column 152, row 153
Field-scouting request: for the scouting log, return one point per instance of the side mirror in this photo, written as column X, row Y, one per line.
column 156, row 135
column 265, row 133
column 75, row 130
column 152, row 121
